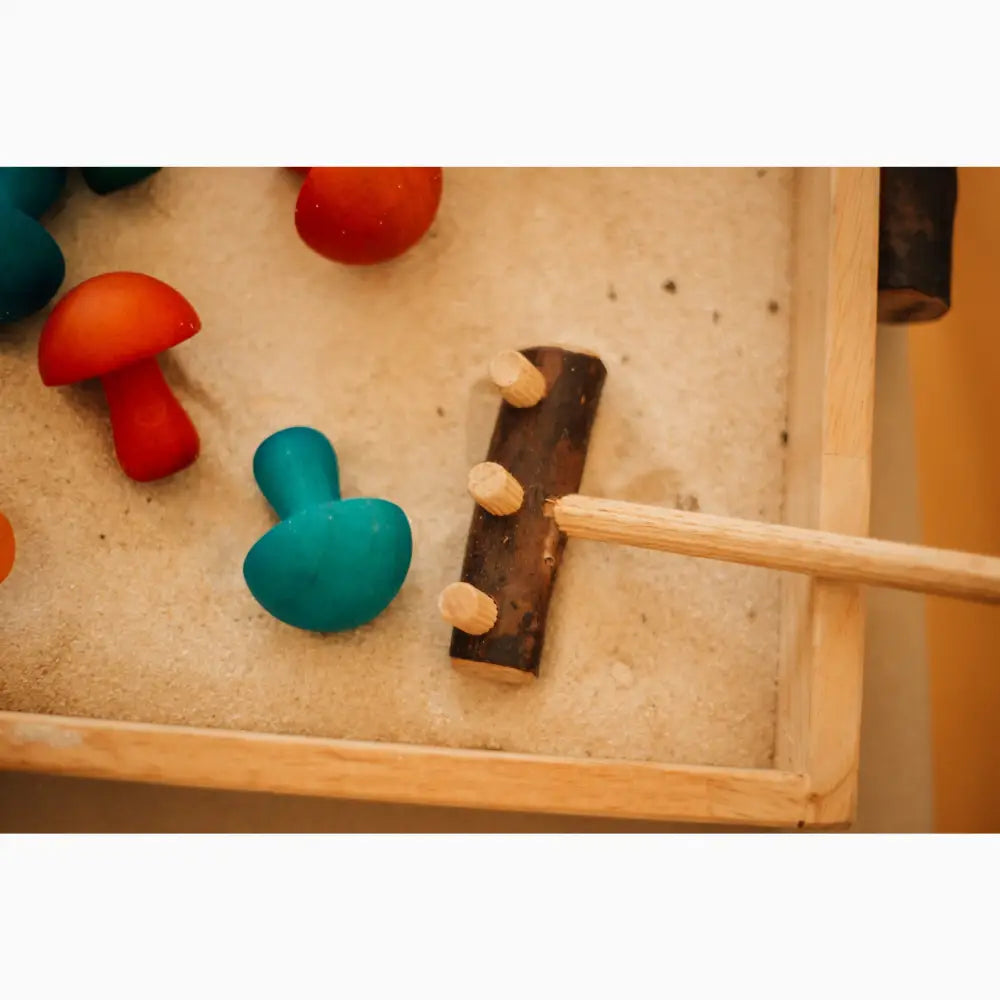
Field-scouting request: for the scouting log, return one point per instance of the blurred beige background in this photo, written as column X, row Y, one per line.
column 896, row 782
column 956, row 373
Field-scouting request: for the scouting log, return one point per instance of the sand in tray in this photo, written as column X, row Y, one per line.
column 128, row 602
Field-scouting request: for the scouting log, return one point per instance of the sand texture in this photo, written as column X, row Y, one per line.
column 128, row 601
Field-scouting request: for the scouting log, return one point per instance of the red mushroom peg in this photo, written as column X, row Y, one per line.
column 112, row 327
column 366, row 215
column 7, row 548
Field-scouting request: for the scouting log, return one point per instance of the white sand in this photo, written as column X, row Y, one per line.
column 128, row 601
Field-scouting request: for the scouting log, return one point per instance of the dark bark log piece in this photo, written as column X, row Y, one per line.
column 514, row 559
column 916, row 224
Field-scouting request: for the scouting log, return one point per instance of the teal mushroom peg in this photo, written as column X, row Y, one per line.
column 330, row 564
column 107, row 180
column 31, row 264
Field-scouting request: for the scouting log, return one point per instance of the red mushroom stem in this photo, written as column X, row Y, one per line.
column 154, row 436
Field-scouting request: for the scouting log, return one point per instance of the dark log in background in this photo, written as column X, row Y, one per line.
column 916, row 225
column 515, row 558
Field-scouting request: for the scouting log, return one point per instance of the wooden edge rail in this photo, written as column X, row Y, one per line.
column 943, row 572
column 394, row 772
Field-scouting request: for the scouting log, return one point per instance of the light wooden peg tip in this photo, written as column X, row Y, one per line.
column 519, row 381
column 467, row 608
column 495, row 489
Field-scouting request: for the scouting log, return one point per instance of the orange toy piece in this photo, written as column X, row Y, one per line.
column 7, row 547
column 366, row 215
column 112, row 327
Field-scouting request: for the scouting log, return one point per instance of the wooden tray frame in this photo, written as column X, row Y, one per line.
column 814, row 779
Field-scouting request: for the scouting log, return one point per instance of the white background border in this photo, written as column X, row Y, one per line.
column 758, row 83
column 514, row 83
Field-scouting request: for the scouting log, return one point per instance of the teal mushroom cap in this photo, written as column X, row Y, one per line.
column 330, row 564
column 31, row 264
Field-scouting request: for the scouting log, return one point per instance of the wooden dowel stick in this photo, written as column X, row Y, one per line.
column 783, row 547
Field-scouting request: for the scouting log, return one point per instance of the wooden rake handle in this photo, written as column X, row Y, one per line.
column 783, row 547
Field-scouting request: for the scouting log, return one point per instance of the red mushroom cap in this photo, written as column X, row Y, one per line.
column 7, row 548
column 366, row 215
column 111, row 321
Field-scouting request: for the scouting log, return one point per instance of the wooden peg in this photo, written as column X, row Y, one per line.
column 467, row 608
column 495, row 489
column 520, row 383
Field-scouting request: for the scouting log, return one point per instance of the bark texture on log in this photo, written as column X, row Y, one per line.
column 916, row 224
column 514, row 558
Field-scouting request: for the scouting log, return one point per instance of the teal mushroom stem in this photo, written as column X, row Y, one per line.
column 297, row 469
column 329, row 564
column 32, row 266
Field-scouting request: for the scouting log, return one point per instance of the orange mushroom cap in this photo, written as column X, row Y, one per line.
column 110, row 321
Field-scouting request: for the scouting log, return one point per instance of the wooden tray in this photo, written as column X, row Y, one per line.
column 132, row 651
